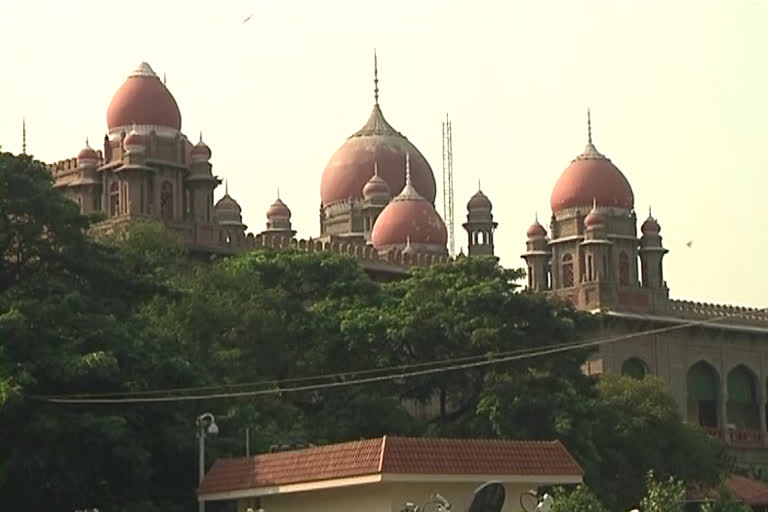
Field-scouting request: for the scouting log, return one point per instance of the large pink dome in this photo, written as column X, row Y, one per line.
column 591, row 177
column 351, row 166
column 143, row 100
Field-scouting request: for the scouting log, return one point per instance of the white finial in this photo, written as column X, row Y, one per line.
column 478, row 184
column 407, row 168
column 594, row 203
column 278, row 191
column 226, row 187
column 375, row 78
column 375, row 168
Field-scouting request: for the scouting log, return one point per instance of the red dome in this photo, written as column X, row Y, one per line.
column 133, row 139
column 594, row 218
column 536, row 230
column 143, row 99
column 201, row 151
column 87, row 153
column 650, row 226
column 351, row 166
column 409, row 218
column 278, row 209
column 591, row 176
column 479, row 201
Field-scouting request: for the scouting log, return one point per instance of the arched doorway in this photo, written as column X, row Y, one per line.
column 742, row 409
column 702, row 382
column 635, row 368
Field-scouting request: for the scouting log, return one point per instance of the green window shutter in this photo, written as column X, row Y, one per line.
column 741, row 387
column 702, row 383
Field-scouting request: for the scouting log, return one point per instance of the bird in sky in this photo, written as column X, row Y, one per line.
column 689, row 243
column 248, row 18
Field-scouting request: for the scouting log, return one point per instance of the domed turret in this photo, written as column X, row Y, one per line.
column 279, row 219
column 591, row 176
column 143, row 100
column 349, row 169
column 227, row 209
column 87, row 156
column 376, row 189
column 650, row 226
column 278, row 210
column 133, row 142
column 536, row 230
column 594, row 219
column 200, row 151
column 409, row 216
column 479, row 201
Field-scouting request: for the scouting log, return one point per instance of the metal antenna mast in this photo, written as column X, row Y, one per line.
column 448, row 184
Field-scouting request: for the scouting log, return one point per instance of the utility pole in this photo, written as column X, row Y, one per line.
column 448, row 202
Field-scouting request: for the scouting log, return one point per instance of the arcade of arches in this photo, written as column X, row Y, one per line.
column 734, row 405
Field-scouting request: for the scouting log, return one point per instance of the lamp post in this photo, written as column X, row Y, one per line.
column 206, row 425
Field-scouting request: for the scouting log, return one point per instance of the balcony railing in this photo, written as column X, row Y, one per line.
column 746, row 438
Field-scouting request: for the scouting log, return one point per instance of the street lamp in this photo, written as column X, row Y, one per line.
column 206, row 425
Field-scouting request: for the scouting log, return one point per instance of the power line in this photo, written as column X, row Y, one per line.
column 74, row 399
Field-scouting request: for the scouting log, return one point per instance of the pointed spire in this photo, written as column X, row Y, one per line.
column 278, row 192
column 479, row 188
column 23, row 135
column 408, row 169
column 375, row 168
column 86, row 142
column 201, row 135
column 226, row 187
column 536, row 216
column 650, row 216
column 163, row 77
column 375, row 78
column 594, row 203
column 589, row 126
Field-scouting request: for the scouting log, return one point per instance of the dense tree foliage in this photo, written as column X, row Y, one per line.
column 135, row 313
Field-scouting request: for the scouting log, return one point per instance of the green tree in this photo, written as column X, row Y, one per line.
column 67, row 323
column 663, row 495
column 578, row 499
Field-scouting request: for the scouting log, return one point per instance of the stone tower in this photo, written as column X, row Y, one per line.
column 480, row 225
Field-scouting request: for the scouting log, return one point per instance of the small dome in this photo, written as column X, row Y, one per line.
column 376, row 188
column 133, row 142
column 200, row 151
column 479, row 201
column 536, row 230
column 594, row 218
column 227, row 202
column 144, row 100
column 409, row 248
column 650, row 226
column 409, row 216
column 278, row 209
column 87, row 154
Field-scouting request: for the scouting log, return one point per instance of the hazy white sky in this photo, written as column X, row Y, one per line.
column 678, row 91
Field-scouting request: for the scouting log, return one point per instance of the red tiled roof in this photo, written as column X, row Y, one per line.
column 741, row 488
column 398, row 455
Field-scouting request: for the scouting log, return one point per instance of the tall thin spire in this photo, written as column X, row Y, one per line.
column 408, row 169
column 589, row 125
column 375, row 168
column 278, row 191
column 226, row 187
column 201, row 135
column 23, row 135
column 478, row 185
column 375, row 78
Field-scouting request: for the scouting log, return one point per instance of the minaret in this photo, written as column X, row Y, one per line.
column 537, row 256
column 651, row 255
column 480, row 225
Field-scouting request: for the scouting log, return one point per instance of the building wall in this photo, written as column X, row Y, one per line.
column 381, row 497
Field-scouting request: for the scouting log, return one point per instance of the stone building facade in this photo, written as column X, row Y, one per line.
column 377, row 206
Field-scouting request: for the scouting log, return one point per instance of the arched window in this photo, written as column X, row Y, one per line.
column 623, row 269
column 567, row 271
column 114, row 199
column 166, row 200
column 742, row 409
column 702, row 395
column 635, row 368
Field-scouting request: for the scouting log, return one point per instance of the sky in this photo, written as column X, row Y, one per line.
column 678, row 93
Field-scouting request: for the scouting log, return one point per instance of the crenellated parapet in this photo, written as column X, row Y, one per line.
column 724, row 312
